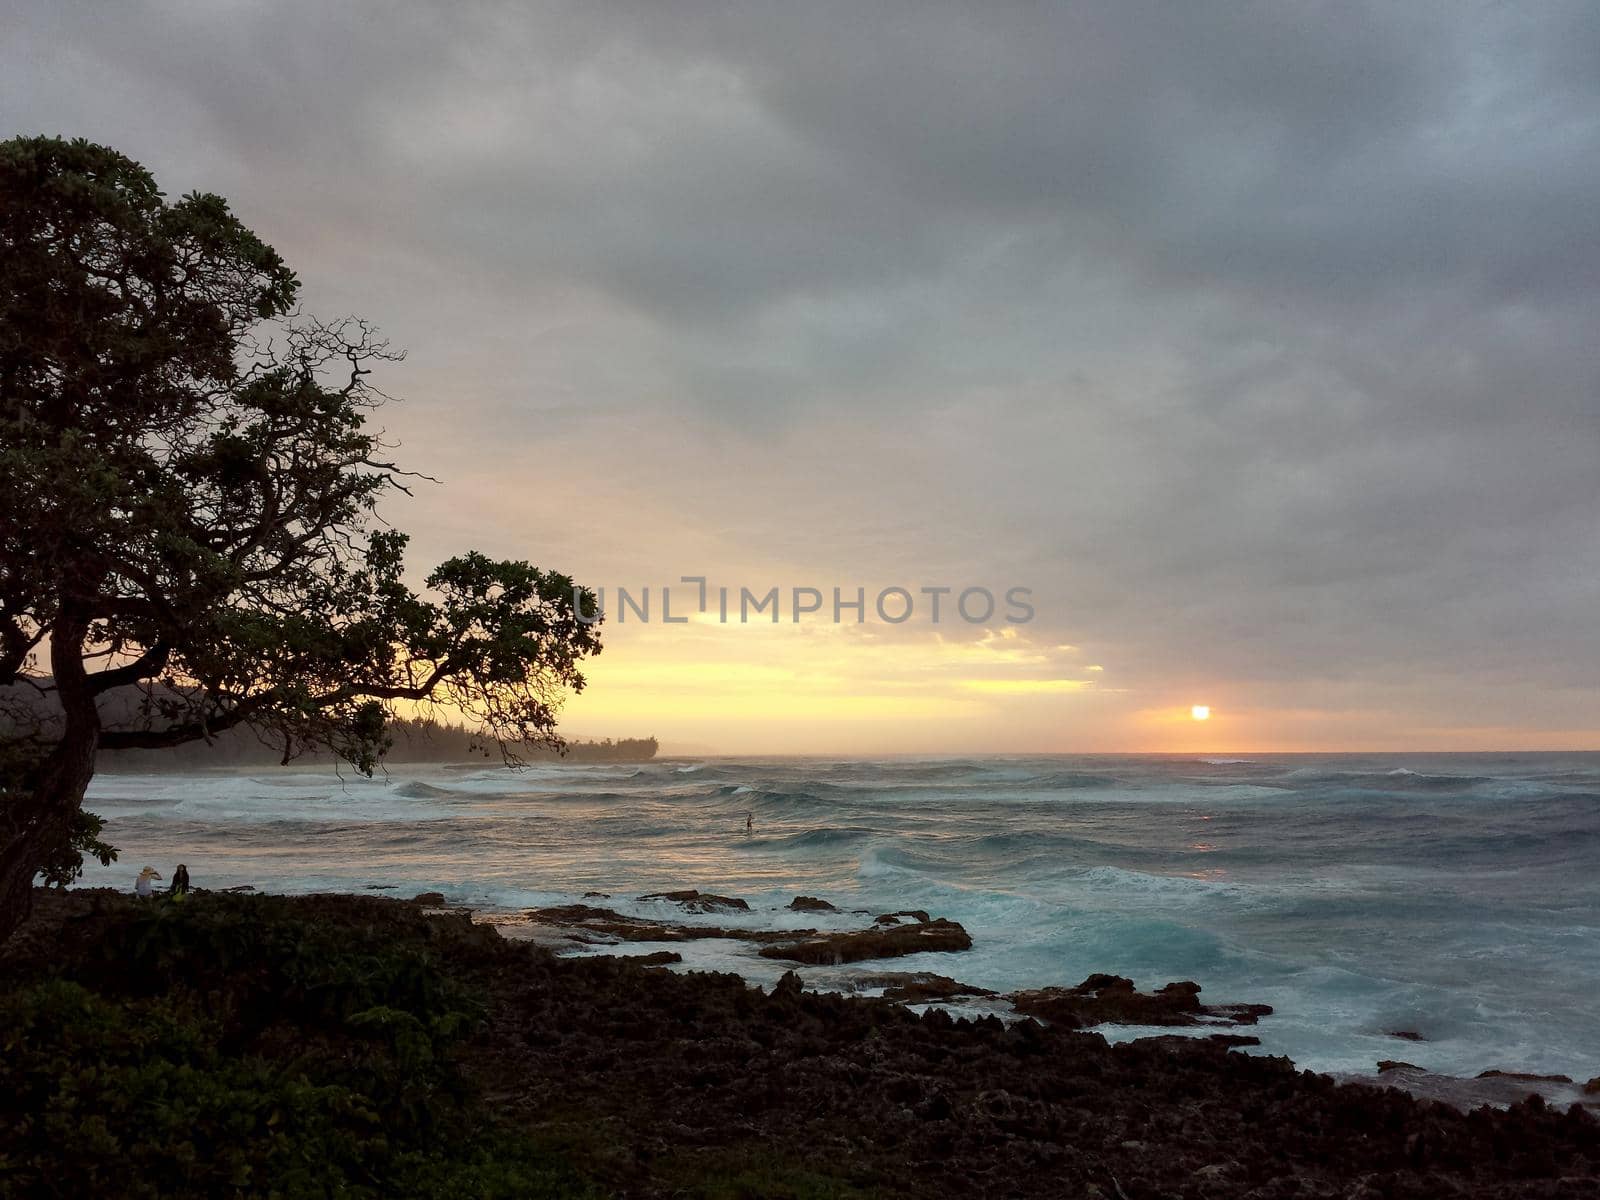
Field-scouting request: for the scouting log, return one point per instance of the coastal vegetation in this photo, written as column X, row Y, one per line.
column 189, row 483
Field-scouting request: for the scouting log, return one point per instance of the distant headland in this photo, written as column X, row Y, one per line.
column 415, row 741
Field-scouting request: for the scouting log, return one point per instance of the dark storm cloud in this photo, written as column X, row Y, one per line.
column 1259, row 337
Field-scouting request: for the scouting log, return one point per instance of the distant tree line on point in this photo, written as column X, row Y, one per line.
column 414, row 741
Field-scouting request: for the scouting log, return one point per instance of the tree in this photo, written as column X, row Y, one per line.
column 188, row 537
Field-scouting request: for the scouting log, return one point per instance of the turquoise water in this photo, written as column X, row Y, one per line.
column 1457, row 896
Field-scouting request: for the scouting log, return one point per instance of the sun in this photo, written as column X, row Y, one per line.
column 1201, row 712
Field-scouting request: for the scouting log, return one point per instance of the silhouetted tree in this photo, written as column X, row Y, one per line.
column 187, row 489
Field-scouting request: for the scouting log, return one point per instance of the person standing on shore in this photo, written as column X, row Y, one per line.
column 143, row 886
column 180, row 883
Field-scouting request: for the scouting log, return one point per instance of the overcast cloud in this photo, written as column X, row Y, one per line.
column 1260, row 340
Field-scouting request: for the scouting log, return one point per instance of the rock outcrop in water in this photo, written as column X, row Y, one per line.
column 660, row 958
column 810, row 904
column 914, row 914
column 1113, row 1000
column 587, row 923
column 831, row 949
column 919, row 987
column 700, row 902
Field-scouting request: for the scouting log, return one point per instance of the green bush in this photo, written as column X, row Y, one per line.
column 232, row 1048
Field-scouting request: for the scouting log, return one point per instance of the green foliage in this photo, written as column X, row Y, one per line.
column 246, row 1046
column 230, row 1048
column 64, row 862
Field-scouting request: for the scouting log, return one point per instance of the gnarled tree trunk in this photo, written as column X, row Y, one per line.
column 42, row 815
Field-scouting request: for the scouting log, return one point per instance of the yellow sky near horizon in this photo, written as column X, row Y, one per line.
column 705, row 687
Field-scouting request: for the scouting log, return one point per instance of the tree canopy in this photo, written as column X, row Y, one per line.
column 188, row 491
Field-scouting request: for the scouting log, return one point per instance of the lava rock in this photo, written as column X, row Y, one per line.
column 891, row 942
column 914, row 914
column 659, row 958
column 588, row 920
column 700, row 902
column 1113, row 999
column 919, row 987
column 810, row 904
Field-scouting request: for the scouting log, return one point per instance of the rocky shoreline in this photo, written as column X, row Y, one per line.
column 660, row 1076
column 1099, row 1000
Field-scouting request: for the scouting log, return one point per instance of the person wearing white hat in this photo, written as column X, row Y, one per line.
column 142, row 885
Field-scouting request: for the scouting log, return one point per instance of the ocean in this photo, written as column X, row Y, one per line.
column 1454, row 896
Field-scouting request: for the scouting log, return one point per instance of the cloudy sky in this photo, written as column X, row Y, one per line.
column 1260, row 341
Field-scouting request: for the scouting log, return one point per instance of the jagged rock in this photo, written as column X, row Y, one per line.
column 611, row 923
column 788, row 987
column 1112, row 999
column 597, row 895
column 658, row 959
column 589, row 920
column 1592, row 1088
column 239, row 889
column 796, row 945
column 892, row 942
column 1179, row 1043
column 915, row 914
column 700, row 902
column 1499, row 1088
column 919, row 987
column 810, row 904
column 433, row 899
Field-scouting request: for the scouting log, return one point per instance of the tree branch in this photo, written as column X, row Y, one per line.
column 151, row 662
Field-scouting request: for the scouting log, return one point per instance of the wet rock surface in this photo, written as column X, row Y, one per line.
column 919, row 987
column 858, row 945
column 810, row 904
column 694, row 901
column 659, row 958
column 895, row 918
column 1113, row 1000
column 591, row 924
column 1489, row 1087
column 1179, row 1043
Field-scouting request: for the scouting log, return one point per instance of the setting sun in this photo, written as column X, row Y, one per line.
column 1201, row 712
